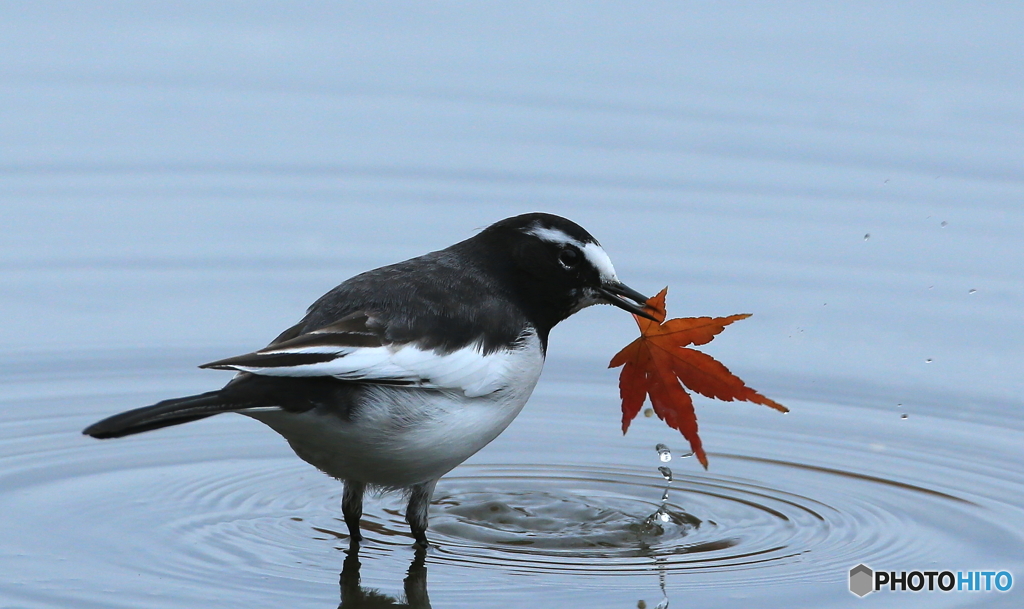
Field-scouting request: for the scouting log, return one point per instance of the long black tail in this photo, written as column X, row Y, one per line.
column 245, row 391
column 161, row 414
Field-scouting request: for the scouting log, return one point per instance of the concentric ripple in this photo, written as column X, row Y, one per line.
column 587, row 519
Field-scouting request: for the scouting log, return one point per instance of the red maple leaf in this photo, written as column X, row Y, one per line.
column 659, row 365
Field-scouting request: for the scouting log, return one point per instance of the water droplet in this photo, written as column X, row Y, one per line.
column 928, row 361
column 971, row 291
column 943, row 224
column 641, row 605
column 664, row 496
column 867, row 236
column 903, row 416
column 663, row 453
column 666, row 473
column 648, row 412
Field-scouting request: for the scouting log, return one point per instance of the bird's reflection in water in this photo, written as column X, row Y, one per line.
column 354, row 596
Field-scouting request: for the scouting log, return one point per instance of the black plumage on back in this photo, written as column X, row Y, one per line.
column 433, row 301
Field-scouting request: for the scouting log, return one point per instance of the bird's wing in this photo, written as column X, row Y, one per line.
column 355, row 349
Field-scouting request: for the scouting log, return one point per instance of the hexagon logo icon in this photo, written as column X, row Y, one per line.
column 862, row 580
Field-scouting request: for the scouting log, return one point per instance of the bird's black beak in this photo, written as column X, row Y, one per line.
column 617, row 293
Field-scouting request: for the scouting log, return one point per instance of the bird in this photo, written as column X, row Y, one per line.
column 399, row 374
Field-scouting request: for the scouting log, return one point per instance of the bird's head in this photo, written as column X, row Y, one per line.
column 555, row 267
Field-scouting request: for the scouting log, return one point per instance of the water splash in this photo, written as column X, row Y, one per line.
column 662, row 515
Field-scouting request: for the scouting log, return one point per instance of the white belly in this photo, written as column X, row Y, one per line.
column 401, row 436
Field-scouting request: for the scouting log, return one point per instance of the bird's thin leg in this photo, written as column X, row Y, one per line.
column 416, row 513
column 352, row 508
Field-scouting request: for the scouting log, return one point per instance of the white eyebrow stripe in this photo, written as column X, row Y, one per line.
column 553, row 235
column 595, row 253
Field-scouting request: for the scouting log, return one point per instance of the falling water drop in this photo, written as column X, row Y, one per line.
column 662, row 515
column 943, row 224
column 867, row 236
column 903, row 416
column 928, row 361
column 648, row 412
column 971, row 291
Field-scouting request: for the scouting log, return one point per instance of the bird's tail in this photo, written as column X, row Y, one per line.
column 161, row 414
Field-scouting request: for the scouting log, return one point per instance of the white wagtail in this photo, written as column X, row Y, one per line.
column 401, row 373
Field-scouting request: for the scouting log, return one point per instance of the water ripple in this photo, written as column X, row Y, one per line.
column 253, row 514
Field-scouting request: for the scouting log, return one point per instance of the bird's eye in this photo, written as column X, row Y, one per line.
column 568, row 257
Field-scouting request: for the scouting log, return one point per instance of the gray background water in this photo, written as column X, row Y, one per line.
column 177, row 183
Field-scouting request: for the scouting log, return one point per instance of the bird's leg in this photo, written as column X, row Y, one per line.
column 352, row 508
column 416, row 513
